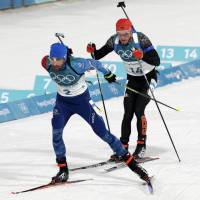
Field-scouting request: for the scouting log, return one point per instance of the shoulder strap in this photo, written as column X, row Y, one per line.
column 70, row 66
column 136, row 40
column 116, row 42
column 148, row 49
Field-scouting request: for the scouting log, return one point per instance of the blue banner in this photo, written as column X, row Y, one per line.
column 191, row 69
column 171, row 75
column 14, row 95
column 178, row 53
column 45, row 84
column 108, row 90
column 6, row 4
column 45, row 103
column 115, row 67
column 6, row 114
column 163, row 66
column 113, row 90
column 23, row 108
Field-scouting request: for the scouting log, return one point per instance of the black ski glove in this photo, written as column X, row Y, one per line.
column 110, row 77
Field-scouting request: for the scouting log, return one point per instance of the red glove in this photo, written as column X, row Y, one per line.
column 44, row 61
column 91, row 47
column 138, row 54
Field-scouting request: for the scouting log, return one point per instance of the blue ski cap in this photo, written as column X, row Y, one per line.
column 58, row 50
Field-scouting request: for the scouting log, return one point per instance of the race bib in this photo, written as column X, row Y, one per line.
column 136, row 69
column 73, row 90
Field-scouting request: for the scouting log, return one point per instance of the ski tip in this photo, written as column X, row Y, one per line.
column 150, row 187
column 149, row 184
column 13, row 193
column 81, row 180
column 89, row 179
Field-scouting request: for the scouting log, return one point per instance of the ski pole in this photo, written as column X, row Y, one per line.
column 122, row 6
column 102, row 98
column 146, row 96
column 160, row 113
column 59, row 35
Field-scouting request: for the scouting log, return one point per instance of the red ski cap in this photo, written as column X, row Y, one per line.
column 123, row 24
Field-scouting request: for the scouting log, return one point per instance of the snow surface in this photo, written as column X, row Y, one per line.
column 27, row 159
column 26, row 155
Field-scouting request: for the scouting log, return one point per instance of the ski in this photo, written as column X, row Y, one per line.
column 146, row 159
column 122, row 165
column 149, row 184
column 51, row 184
column 150, row 187
column 92, row 165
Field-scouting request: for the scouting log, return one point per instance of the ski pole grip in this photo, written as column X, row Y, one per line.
column 121, row 4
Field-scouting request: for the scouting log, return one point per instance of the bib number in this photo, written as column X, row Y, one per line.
column 137, row 70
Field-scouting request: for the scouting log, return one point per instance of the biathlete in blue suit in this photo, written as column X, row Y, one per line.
column 73, row 98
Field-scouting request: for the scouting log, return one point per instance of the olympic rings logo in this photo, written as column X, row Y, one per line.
column 61, row 78
column 125, row 54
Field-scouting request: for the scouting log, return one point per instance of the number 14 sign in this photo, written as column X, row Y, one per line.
column 178, row 53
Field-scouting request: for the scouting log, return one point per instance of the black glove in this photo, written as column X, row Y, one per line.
column 110, row 77
column 70, row 51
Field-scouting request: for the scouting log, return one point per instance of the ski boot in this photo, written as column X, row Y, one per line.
column 63, row 174
column 136, row 168
column 115, row 157
column 140, row 150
